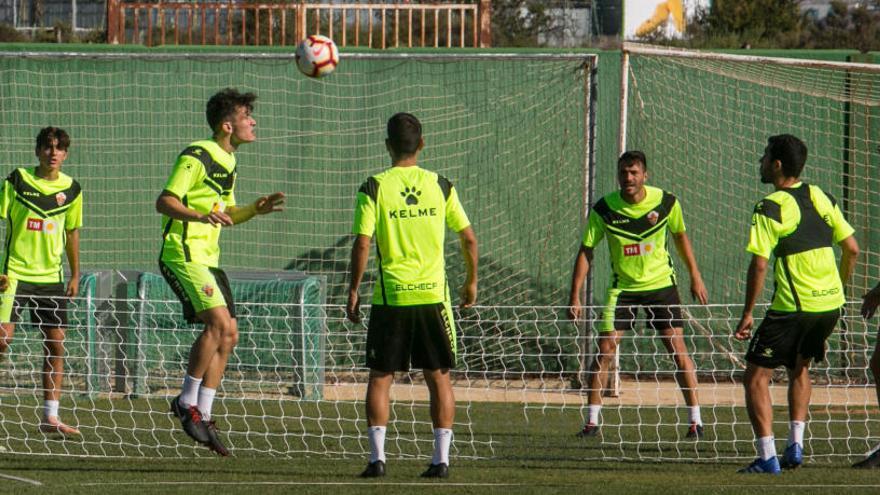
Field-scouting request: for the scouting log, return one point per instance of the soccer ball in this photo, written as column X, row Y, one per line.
column 317, row 56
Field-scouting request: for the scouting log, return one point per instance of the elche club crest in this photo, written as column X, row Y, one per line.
column 60, row 198
column 653, row 216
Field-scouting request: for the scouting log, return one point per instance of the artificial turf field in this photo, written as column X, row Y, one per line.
column 526, row 452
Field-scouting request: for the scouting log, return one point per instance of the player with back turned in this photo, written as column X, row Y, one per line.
column 408, row 209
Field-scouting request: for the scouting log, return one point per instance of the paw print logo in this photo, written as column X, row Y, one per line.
column 411, row 195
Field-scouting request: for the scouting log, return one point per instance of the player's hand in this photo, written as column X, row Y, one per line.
column 270, row 203
column 468, row 295
column 744, row 328
column 4, row 283
column 73, row 285
column 698, row 290
column 574, row 308
column 353, row 307
column 217, row 218
column 870, row 301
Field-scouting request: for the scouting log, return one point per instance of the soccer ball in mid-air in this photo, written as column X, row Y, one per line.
column 317, row 56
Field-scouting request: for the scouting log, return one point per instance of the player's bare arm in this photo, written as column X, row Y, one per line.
column 262, row 206
column 754, row 286
column 170, row 205
column 870, row 301
column 849, row 254
column 360, row 253
column 71, row 248
column 686, row 253
column 470, row 252
column 582, row 263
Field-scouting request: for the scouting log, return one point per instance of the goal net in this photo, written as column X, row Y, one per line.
column 703, row 121
column 511, row 131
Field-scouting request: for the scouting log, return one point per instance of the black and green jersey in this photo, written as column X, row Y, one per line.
column 800, row 226
column 204, row 179
column 408, row 209
column 38, row 213
column 636, row 236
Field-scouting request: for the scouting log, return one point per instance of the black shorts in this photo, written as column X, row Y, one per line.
column 419, row 336
column 47, row 302
column 782, row 337
column 662, row 309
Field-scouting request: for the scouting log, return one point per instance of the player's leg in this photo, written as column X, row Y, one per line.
column 873, row 460
column 49, row 312
column 815, row 330
column 658, row 18
column 773, row 344
column 618, row 315
column 685, row 376
column 203, row 301
column 9, row 314
column 434, row 348
column 665, row 316
column 378, row 404
column 800, row 389
column 387, row 351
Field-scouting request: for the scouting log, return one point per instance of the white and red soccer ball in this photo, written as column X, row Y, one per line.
column 317, row 56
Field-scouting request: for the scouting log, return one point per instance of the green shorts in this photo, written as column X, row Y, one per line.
column 198, row 287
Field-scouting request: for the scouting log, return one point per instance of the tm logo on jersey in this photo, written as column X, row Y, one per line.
column 642, row 249
column 39, row 225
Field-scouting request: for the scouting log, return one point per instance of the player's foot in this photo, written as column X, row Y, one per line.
column 870, row 462
column 214, row 442
column 191, row 421
column 793, row 457
column 436, row 471
column 590, row 430
column 54, row 425
column 695, row 431
column 761, row 466
column 374, row 470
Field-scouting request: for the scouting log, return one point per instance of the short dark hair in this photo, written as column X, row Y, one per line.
column 47, row 134
column 404, row 133
column 223, row 104
column 790, row 151
column 631, row 157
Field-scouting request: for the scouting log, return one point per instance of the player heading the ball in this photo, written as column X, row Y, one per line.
column 197, row 202
column 408, row 209
column 635, row 221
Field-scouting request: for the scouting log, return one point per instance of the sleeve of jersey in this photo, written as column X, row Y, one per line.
column 456, row 218
column 364, row 216
column 676, row 219
column 841, row 228
column 6, row 198
column 74, row 218
column 186, row 174
column 763, row 234
column 595, row 231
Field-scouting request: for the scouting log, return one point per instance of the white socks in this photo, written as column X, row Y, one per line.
column 593, row 413
column 442, row 439
column 766, row 447
column 376, row 435
column 190, row 394
column 206, row 401
column 796, row 432
column 694, row 415
column 50, row 409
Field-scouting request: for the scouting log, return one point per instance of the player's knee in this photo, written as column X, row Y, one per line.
column 228, row 334
column 5, row 342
